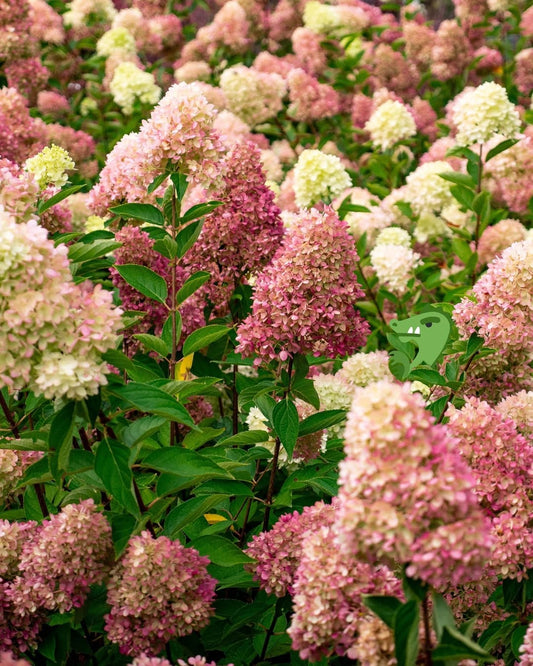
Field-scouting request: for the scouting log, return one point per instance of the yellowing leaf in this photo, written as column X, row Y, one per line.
column 213, row 518
column 183, row 367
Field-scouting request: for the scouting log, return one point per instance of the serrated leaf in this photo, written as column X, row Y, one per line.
column 144, row 280
column 285, row 421
column 199, row 210
column 138, row 211
column 504, row 145
column 157, row 181
column 245, row 437
column 321, row 421
column 152, row 343
column 224, row 487
column 187, row 236
column 455, row 646
column 203, row 337
column 427, row 376
column 184, row 463
column 153, row 400
column 142, row 429
column 187, row 512
column 60, row 439
column 442, row 614
column 179, row 180
column 63, row 194
column 458, row 178
column 195, row 439
column 517, row 640
column 88, row 251
column 112, row 466
column 191, row 284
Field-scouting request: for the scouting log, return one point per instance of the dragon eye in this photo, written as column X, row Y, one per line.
column 429, row 324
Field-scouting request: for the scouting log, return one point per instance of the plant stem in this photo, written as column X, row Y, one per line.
column 9, row 416
column 235, row 401
column 176, row 211
column 372, row 295
column 454, row 393
column 270, row 631
column 428, row 661
column 478, row 215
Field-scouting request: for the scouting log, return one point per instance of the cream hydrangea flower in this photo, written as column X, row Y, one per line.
column 426, row 190
column 394, row 266
column 94, row 223
column 391, row 122
column 50, row 166
column 68, row 375
column 334, row 20
column 129, row 82
column 318, row 176
column 394, row 236
column 80, row 10
column 116, row 39
column 363, row 368
column 481, row 113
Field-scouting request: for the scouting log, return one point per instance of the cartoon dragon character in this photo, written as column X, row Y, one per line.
column 428, row 332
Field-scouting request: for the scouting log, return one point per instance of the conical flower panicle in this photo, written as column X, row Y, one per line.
column 304, row 301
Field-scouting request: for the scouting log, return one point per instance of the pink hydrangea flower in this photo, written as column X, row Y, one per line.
column 158, row 590
column 406, row 495
column 526, row 649
column 304, row 301
column 309, row 99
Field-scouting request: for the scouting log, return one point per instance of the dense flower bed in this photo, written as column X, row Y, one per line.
column 266, row 333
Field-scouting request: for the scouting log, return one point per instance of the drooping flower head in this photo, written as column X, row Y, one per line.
column 304, row 301
column 157, row 591
column 406, row 495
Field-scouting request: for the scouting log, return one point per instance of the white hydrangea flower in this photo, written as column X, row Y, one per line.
column 318, row 176
column 429, row 226
column 194, row 70
column 362, row 369
column 334, row 393
column 61, row 375
column 481, row 113
column 256, row 420
column 116, row 39
column 391, row 122
column 251, row 95
column 426, row 191
column 394, row 236
column 50, row 166
column 394, row 266
column 79, row 11
column 13, row 250
column 334, row 20
column 129, row 82
column 94, row 223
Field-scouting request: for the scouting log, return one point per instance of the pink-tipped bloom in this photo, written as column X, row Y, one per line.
column 304, row 301
column 309, row 99
column 157, row 591
column 406, row 495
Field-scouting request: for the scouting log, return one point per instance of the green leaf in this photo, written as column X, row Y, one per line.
column 179, row 180
column 383, row 606
column 37, row 472
column 455, row 646
column 481, row 205
column 475, row 342
column 245, row 437
column 224, row 487
column 504, row 145
column 285, row 421
column 184, row 463
column 63, row 194
column 157, row 181
column 187, row 512
column 191, row 284
column 458, row 179
column 427, row 376
column 517, row 639
column 118, row 359
column 87, row 251
column 187, row 236
column 138, row 211
column 406, row 633
column 442, row 615
column 462, row 249
column 166, row 246
column 153, row 400
column 199, row 210
column 203, row 337
column 145, row 280
column 142, row 429
column 112, row 466
column 464, row 195
column 321, row 421
column 220, row 551
column 195, row 439
column 60, row 439
column 305, row 389
column 152, row 343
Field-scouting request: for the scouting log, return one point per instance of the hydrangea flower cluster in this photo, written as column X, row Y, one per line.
column 278, row 551
column 362, row 369
column 240, row 237
column 391, row 122
column 502, row 462
column 502, row 312
column 327, row 599
column 526, row 649
column 145, row 660
column 252, row 95
column 50, row 166
column 309, row 99
column 483, row 112
column 158, row 590
column 116, row 39
column 13, row 464
column 130, row 83
column 52, row 331
column 499, row 236
column 304, row 301
column 394, row 264
column 519, row 408
column 406, row 495
column 67, row 554
column 318, row 177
